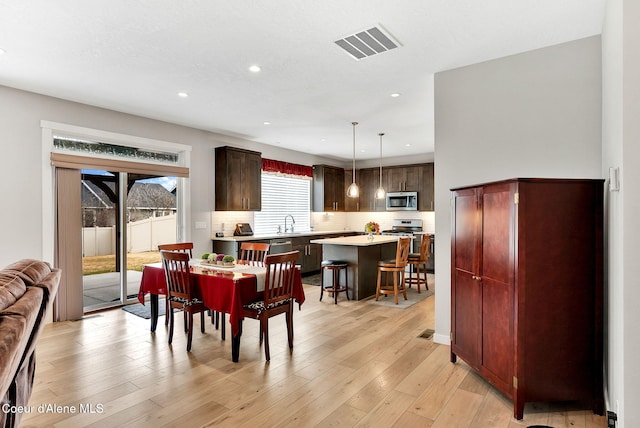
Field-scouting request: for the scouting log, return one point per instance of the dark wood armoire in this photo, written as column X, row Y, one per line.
column 527, row 288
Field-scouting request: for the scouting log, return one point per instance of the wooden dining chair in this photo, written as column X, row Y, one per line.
column 183, row 247
column 181, row 291
column 253, row 252
column 277, row 297
column 396, row 268
column 418, row 262
column 217, row 318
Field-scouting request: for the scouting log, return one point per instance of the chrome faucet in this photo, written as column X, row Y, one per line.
column 293, row 221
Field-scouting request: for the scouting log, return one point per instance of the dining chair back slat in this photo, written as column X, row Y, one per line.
column 279, row 277
column 253, row 252
column 176, row 268
column 184, row 247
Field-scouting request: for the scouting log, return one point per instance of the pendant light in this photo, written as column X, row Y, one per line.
column 380, row 193
column 353, row 190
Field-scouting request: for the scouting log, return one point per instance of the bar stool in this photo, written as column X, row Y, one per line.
column 396, row 268
column 335, row 266
column 418, row 262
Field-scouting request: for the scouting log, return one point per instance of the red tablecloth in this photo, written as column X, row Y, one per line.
column 220, row 291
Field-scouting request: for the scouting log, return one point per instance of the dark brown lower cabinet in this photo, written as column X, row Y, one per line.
column 527, row 288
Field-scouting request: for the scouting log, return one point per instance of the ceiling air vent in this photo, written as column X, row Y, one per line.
column 368, row 43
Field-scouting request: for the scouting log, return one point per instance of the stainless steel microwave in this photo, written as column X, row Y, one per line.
column 402, row 201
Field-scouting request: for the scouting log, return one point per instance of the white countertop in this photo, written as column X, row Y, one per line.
column 278, row 236
column 358, row 240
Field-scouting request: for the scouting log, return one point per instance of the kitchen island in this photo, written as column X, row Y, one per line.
column 362, row 255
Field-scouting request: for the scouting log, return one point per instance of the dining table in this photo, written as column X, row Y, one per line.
column 222, row 289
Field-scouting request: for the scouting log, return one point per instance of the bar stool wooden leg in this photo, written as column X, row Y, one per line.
column 395, row 288
column 336, row 279
column 321, row 282
column 426, row 277
column 404, row 289
column 346, row 282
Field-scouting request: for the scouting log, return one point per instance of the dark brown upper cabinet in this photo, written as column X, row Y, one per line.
column 328, row 188
column 238, row 179
column 412, row 178
column 426, row 189
column 403, row 178
column 369, row 182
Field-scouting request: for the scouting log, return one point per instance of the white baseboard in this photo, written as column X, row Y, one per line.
column 442, row 339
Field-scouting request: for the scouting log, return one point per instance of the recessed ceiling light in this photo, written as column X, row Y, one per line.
column 407, row 145
column 266, row 123
column 395, row 95
column 183, row 94
column 2, row 51
column 323, row 139
column 254, row 68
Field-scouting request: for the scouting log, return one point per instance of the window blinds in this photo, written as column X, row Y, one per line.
column 281, row 196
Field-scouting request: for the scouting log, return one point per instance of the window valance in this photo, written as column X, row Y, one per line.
column 286, row 168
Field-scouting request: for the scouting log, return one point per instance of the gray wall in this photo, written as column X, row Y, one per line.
column 535, row 114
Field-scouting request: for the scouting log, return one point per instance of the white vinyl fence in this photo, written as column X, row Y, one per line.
column 144, row 235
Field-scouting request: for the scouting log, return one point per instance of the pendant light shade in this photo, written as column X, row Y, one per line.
column 353, row 189
column 380, row 193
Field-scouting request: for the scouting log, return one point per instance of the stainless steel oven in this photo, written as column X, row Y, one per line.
column 406, row 227
column 402, row 201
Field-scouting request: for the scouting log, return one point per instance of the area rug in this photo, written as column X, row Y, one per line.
column 312, row 279
column 144, row 311
column 412, row 298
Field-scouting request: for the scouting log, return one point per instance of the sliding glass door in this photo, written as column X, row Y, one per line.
column 124, row 217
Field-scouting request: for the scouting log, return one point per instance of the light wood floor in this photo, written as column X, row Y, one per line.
column 353, row 364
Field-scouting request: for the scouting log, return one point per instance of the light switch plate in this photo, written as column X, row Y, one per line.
column 614, row 179
column 201, row 225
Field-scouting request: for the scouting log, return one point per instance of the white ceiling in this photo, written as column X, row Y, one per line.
column 134, row 56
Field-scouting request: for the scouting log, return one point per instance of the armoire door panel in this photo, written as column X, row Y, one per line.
column 466, row 232
column 467, row 322
column 497, row 329
column 497, row 231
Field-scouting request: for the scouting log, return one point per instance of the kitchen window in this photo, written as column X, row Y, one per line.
column 283, row 195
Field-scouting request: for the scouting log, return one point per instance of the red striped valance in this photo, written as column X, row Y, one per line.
column 280, row 167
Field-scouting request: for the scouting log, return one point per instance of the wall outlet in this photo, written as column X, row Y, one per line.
column 612, row 419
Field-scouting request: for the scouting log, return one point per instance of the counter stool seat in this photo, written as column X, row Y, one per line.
column 335, row 266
